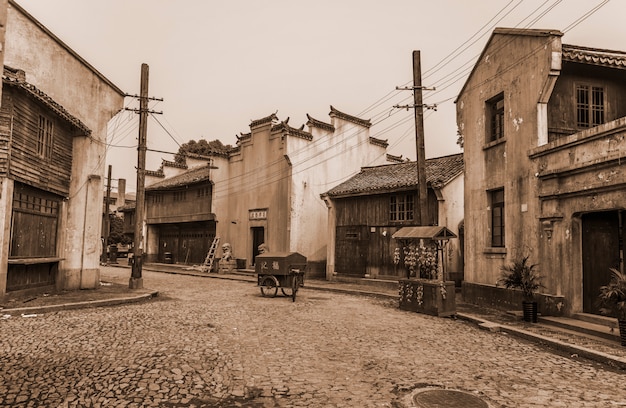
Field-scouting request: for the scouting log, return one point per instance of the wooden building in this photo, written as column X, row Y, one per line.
column 36, row 155
column 52, row 106
column 367, row 209
column 179, row 217
column 544, row 126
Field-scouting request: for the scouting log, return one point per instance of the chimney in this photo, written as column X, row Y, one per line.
column 121, row 192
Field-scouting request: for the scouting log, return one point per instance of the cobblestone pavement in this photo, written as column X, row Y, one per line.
column 218, row 343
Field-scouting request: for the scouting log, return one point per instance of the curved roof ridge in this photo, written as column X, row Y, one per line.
column 336, row 113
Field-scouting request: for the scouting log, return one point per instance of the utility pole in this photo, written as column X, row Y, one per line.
column 422, row 191
column 107, row 219
column 136, row 279
column 418, row 109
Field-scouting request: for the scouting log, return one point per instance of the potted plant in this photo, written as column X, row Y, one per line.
column 522, row 275
column 613, row 300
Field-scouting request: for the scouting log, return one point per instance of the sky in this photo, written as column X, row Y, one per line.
column 218, row 65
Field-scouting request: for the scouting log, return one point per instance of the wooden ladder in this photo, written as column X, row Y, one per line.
column 210, row 256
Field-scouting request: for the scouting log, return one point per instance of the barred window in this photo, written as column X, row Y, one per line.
column 589, row 106
column 180, row 196
column 44, row 138
column 401, row 207
column 34, row 204
column 497, row 217
column 495, row 112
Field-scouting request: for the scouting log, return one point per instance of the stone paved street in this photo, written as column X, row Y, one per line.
column 218, row 343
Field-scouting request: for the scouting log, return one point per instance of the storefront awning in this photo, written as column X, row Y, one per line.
column 424, row 232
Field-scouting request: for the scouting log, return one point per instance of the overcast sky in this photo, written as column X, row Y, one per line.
column 220, row 64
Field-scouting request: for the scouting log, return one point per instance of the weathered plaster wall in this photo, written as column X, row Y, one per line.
column 317, row 167
column 451, row 214
column 516, row 66
column 578, row 174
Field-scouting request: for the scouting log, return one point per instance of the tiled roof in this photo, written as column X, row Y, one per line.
column 594, row 56
column 268, row 119
column 394, row 177
column 395, row 159
column 312, row 122
column 170, row 163
column 291, row 131
column 379, row 142
column 363, row 122
column 17, row 78
column 193, row 176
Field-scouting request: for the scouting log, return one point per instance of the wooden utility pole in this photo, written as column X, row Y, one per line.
column 422, row 191
column 107, row 219
column 136, row 280
column 421, row 215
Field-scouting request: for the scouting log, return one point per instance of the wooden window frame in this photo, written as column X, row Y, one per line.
column 495, row 116
column 45, row 137
column 401, row 208
column 180, row 196
column 590, row 105
column 496, row 198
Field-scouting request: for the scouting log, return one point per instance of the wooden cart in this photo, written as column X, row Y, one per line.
column 284, row 270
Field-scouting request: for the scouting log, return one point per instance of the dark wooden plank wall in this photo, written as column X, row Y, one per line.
column 26, row 165
column 196, row 205
column 374, row 210
column 187, row 242
column 34, row 235
column 21, row 277
column 5, row 132
column 373, row 248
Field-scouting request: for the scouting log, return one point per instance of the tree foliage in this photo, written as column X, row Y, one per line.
column 201, row 147
column 116, row 233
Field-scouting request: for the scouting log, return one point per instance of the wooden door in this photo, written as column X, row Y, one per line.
column 351, row 250
column 601, row 251
column 258, row 238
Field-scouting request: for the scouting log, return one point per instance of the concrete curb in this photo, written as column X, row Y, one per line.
column 78, row 305
column 571, row 349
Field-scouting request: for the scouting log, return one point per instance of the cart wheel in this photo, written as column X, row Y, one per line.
column 269, row 286
column 287, row 291
column 295, row 282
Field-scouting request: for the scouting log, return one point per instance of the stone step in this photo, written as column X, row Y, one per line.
column 595, row 327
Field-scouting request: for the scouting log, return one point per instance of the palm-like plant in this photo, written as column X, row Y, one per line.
column 613, row 296
column 520, row 274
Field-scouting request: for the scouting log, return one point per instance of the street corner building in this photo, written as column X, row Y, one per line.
column 53, row 119
column 544, row 126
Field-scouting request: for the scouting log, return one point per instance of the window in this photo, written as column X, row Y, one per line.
column 44, row 138
column 497, row 217
column 589, row 106
column 495, row 110
column 180, row 196
column 156, row 199
column 401, row 208
column 204, row 192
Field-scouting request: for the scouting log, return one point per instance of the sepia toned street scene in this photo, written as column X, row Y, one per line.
column 334, row 204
